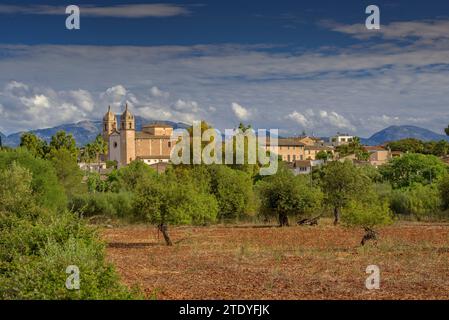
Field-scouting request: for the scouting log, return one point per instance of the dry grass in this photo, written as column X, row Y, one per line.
column 322, row 262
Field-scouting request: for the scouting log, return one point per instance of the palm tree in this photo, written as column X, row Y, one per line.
column 99, row 147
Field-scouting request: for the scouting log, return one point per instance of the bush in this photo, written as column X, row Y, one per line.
column 419, row 200
column 37, row 245
column 45, row 186
column 233, row 190
column 132, row 174
column 400, row 202
column 364, row 214
column 424, row 201
column 110, row 204
column 443, row 187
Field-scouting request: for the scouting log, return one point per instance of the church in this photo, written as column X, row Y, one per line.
column 152, row 145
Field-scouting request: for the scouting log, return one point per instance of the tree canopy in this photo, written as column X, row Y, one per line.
column 413, row 168
column 284, row 194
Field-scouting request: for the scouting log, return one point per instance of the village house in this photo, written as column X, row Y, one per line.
column 310, row 152
column 305, row 166
column 378, row 155
column 298, row 148
column 340, row 139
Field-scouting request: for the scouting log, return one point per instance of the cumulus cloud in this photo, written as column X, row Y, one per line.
column 29, row 107
column 240, row 112
column 322, row 118
column 299, row 118
column 118, row 11
column 357, row 85
column 25, row 107
column 158, row 93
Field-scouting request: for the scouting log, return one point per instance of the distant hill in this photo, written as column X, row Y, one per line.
column 86, row 131
column 394, row 133
column 83, row 131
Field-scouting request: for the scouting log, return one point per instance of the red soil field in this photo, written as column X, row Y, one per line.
column 245, row 262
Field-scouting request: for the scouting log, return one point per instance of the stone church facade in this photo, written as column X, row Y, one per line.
column 152, row 145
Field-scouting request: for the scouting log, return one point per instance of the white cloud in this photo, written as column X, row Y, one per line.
column 411, row 30
column 118, row 11
column 240, row 112
column 356, row 85
column 299, row 118
column 336, row 120
column 312, row 120
column 158, row 93
column 181, row 105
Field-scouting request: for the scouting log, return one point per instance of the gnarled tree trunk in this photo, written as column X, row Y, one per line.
column 164, row 230
column 283, row 220
column 336, row 215
column 370, row 234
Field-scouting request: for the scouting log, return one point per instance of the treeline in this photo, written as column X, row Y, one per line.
column 411, row 145
column 414, row 185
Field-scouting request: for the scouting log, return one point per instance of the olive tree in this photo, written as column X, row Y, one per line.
column 164, row 200
column 368, row 211
column 285, row 194
column 341, row 182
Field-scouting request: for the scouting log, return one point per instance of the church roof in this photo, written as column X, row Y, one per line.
column 157, row 125
column 126, row 115
column 109, row 116
column 145, row 135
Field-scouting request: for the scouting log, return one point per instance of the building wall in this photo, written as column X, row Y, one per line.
column 288, row 153
column 379, row 157
column 158, row 131
column 128, row 146
column 153, row 147
column 114, row 148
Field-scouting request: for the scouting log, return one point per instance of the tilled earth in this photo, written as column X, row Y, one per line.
column 245, row 262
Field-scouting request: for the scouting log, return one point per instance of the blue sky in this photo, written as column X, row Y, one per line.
column 292, row 65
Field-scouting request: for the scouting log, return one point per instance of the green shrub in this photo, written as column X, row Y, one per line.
column 443, row 187
column 38, row 244
column 418, row 200
column 400, row 202
column 45, row 185
column 363, row 214
column 233, row 190
column 425, row 201
column 110, row 204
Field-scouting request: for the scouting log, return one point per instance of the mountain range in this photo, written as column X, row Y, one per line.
column 83, row 131
column 86, row 131
column 395, row 133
